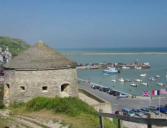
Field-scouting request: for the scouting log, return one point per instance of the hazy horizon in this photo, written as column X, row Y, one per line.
column 64, row 24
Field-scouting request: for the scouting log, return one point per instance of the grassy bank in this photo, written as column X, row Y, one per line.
column 16, row 46
column 71, row 111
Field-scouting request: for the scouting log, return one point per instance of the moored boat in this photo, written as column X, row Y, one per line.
column 144, row 83
column 113, row 80
column 111, row 70
column 157, row 76
column 160, row 84
column 133, row 85
column 138, row 80
column 121, row 80
column 143, row 75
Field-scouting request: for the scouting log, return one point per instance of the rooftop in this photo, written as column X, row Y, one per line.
column 40, row 57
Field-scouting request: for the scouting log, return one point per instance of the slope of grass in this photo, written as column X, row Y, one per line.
column 16, row 46
column 70, row 110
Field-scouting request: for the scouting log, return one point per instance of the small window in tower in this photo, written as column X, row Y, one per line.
column 22, row 88
column 8, row 85
column 44, row 88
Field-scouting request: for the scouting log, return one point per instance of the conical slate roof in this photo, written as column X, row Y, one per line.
column 40, row 57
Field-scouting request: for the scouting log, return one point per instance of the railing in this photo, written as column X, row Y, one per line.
column 148, row 121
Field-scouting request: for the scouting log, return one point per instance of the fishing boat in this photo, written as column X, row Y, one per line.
column 121, row 80
column 133, row 85
column 138, row 80
column 143, row 75
column 111, row 70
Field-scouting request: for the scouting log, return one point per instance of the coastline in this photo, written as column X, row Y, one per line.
column 118, row 53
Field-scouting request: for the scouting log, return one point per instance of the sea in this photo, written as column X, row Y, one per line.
column 157, row 61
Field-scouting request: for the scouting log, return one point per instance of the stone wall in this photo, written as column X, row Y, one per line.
column 95, row 101
column 24, row 85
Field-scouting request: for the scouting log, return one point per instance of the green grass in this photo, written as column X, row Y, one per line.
column 70, row 110
column 70, row 106
column 16, row 46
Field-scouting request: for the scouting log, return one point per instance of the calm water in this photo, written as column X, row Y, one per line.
column 158, row 66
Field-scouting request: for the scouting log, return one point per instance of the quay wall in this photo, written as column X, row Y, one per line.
column 95, row 101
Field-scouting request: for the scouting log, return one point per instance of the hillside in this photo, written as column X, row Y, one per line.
column 44, row 112
column 16, row 46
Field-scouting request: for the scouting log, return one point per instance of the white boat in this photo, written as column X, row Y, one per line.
column 157, row 76
column 152, row 79
column 113, row 80
column 124, row 67
column 127, row 80
column 147, row 63
column 121, row 80
column 137, row 67
column 110, row 70
column 143, row 75
column 146, row 84
column 133, row 85
column 138, row 80
column 160, row 84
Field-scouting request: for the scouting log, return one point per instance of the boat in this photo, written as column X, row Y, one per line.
column 113, row 80
column 121, row 80
column 152, row 79
column 157, row 76
column 111, row 70
column 138, row 80
column 160, row 84
column 125, row 67
column 143, row 75
column 127, row 80
column 133, row 85
column 138, row 67
column 146, row 84
column 146, row 64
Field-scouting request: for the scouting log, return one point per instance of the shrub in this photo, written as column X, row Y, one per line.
column 1, row 104
column 17, row 104
column 70, row 106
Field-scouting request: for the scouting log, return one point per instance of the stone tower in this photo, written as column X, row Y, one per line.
column 39, row 71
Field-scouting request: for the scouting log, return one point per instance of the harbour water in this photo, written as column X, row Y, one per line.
column 157, row 61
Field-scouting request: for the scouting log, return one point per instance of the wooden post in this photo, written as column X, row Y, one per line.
column 119, row 123
column 100, row 118
column 149, row 125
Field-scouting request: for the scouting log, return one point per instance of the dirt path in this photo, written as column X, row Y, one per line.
column 20, row 121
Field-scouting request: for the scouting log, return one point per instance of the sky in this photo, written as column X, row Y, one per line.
column 86, row 23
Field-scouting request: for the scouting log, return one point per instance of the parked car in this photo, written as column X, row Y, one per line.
column 153, row 109
column 162, row 109
column 105, row 89
column 2, row 73
column 128, row 112
column 95, row 87
column 139, row 112
column 118, row 112
column 122, row 95
column 110, row 92
column 115, row 93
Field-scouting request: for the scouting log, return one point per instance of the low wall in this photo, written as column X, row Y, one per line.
column 95, row 101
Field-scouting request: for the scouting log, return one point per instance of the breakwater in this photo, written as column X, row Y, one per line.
column 115, row 65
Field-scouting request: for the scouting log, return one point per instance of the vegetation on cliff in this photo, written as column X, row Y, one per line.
column 16, row 46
